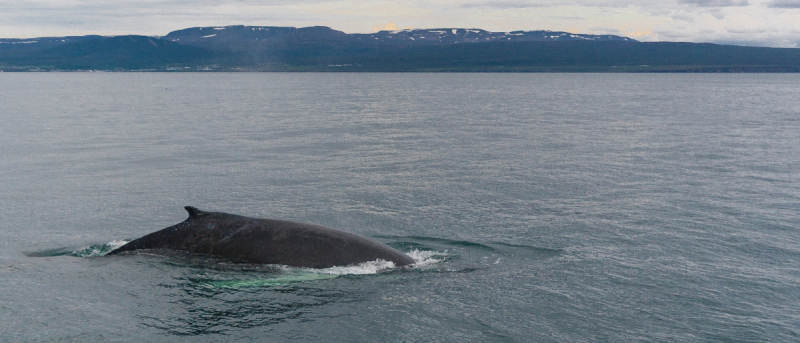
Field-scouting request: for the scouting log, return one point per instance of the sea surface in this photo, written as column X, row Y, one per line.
column 540, row 207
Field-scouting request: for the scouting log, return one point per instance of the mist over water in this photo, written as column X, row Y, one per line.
column 541, row 207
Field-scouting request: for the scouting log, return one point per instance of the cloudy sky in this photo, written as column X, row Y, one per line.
column 745, row 22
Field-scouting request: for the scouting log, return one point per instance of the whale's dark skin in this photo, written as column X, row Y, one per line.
column 266, row 241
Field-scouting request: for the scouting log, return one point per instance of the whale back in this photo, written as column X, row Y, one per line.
column 266, row 241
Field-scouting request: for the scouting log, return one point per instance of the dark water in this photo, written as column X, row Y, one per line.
column 542, row 208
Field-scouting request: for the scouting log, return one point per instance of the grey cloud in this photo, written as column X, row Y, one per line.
column 511, row 4
column 607, row 30
column 147, row 17
column 565, row 18
column 746, row 31
column 716, row 3
column 784, row 4
column 502, row 4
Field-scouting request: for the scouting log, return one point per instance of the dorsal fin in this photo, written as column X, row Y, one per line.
column 195, row 213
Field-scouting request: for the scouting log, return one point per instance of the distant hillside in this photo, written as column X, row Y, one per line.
column 247, row 38
column 258, row 48
column 608, row 56
column 111, row 53
column 10, row 46
column 254, row 38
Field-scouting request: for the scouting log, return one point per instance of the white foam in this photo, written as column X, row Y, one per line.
column 116, row 244
column 371, row 267
column 426, row 258
column 98, row 250
column 292, row 275
column 421, row 259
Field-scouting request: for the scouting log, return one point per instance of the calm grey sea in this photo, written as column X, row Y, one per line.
column 542, row 207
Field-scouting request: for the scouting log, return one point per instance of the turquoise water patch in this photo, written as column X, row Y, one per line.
column 292, row 277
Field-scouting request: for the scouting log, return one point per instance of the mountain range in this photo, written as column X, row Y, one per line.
column 263, row 48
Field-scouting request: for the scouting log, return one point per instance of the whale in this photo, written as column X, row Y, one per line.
column 266, row 241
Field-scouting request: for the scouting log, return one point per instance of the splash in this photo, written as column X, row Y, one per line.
column 426, row 258
column 93, row 250
column 98, row 249
column 422, row 258
column 371, row 267
column 290, row 275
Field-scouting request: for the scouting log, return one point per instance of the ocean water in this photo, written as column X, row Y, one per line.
column 540, row 207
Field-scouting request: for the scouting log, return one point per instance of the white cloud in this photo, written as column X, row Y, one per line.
column 751, row 22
